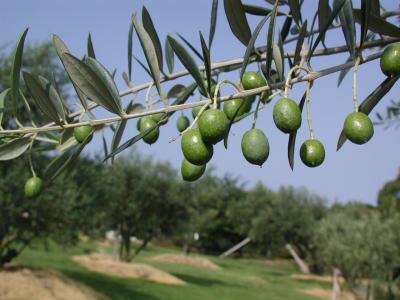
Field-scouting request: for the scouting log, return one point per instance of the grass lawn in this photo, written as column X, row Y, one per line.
column 244, row 279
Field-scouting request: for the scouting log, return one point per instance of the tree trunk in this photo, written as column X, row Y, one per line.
column 336, row 285
column 302, row 265
column 125, row 249
column 236, row 247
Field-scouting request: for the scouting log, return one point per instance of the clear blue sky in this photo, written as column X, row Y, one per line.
column 354, row 173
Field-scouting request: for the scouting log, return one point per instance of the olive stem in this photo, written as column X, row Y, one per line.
column 30, row 159
column 289, row 78
column 258, row 107
column 308, row 105
column 204, row 107
column 234, row 84
column 355, row 97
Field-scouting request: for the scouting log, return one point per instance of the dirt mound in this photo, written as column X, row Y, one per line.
column 326, row 294
column 103, row 263
column 23, row 283
column 186, row 260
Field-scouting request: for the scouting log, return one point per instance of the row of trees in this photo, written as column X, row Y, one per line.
column 138, row 197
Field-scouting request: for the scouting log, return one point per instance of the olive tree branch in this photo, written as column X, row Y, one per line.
column 312, row 76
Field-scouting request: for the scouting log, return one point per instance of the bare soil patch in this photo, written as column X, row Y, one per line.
column 186, row 260
column 103, row 263
column 310, row 277
column 326, row 294
column 24, row 283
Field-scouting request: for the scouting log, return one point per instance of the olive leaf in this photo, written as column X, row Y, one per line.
column 198, row 54
column 108, row 81
column 42, row 98
column 270, row 38
column 378, row 25
column 15, row 71
column 176, row 91
column 324, row 11
column 149, row 26
column 149, row 52
column 188, row 62
column 14, row 148
column 213, row 22
column 277, row 55
column 119, row 131
column 182, row 99
column 54, row 97
column 143, row 65
column 375, row 7
column 207, row 64
column 64, row 160
column 299, row 44
column 348, row 26
column 370, row 102
column 295, row 10
column 90, row 83
column 256, row 10
column 237, row 20
column 293, row 135
column 61, row 48
column 250, row 46
column 286, row 28
column 337, row 6
column 90, row 48
column 130, row 46
column 169, row 54
column 3, row 96
column 365, row 14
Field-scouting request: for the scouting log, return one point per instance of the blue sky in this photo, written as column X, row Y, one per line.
column 354, row 173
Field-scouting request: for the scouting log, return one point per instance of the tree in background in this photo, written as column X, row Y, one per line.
column 389, row 197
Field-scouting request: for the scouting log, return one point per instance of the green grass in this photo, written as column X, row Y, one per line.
column 244, row 279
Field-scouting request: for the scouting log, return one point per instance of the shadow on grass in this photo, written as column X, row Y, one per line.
column 113, row 288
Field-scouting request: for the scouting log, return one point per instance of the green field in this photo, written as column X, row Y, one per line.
column 244, row 279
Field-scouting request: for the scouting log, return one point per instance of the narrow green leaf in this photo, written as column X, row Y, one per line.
column 64, row 160
column 176, row 91
column 278, row 59
column 371, row 101
column 270, row 38
column 41, row 98
column 182, row 99
column 348, row 26
column 378, row 25
column 282, row 59
column 258, row 10
column 169, row 54
column 236, row 16
column 143, row 65
column 105, row 147
column 108, row 82
column 337, row 6
column 286, row 28
column 130, row 46
column 292, row 137
column 324, row 11
column 295, row 11
column 198, row 54
column 375, row 8
column 151, row 30
column 61, row 48
column 53, row 96
column 90, row 83
column 188, row 62
column 207, row 64
column 149, row 52
column 90, row 48
column 299, row 44
column 15, row 71
column 250, row 46
column 119, row 131
column 213, row 22
column 14, row 148
column 3, row 96
column 365, row 13
column 343, row 73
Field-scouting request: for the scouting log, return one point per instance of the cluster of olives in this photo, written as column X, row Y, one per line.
column 197, row 143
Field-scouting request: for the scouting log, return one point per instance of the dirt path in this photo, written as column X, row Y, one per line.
column 186, row 260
